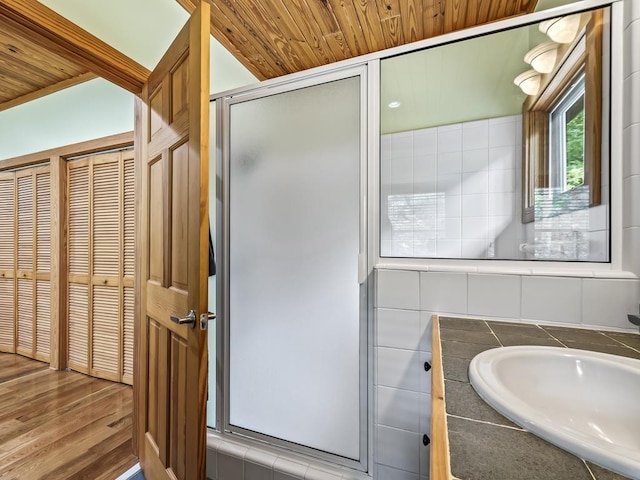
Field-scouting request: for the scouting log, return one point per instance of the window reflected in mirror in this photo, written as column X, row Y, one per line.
column 496, row 147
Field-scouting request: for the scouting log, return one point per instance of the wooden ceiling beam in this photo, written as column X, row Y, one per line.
column 57, row 34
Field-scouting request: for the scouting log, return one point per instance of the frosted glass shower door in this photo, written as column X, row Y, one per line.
column 294, row 240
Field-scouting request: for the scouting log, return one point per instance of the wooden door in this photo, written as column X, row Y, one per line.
column 172, row 136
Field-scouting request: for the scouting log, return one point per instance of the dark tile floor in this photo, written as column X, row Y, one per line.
column 485, row 445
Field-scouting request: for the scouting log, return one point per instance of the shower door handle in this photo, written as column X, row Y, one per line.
column 189, row 319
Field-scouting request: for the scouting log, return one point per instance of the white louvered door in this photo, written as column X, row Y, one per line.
column 7, row 262
column 101, row 219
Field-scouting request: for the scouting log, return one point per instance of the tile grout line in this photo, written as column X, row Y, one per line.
column 620, row 342
column 517, row 429
column 493, row 333
column 551, row 335
column 588, row 469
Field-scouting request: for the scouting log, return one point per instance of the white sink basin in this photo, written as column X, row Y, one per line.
column 587, row 403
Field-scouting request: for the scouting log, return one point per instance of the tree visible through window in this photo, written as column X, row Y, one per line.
column 567, row 138
column 575, row 145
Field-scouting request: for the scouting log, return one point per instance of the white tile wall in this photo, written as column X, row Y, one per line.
column 631, row 135
column 230, row 459
column 631, row 139
column 472, row 174
column 552, row 299
column 443, row 292
column 402, row 392
column 389, row 473
column 320, row 474
column 398, row 328
column 230, row 465
column 621, row 298
column 631, row 12
column 631, row 249
column 398, row 449
column 461, row 167
column 425, row 331
column 631, row 60
column 398, row 408
column 284, row 469
column 631, row 92
column 399, row 369
column 631, row 205
column 254, row 471
column 494, row 295
column 398, row 289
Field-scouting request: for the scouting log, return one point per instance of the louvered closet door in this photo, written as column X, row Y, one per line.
column 106, row 331
column 7, row 262
column 78, row 203
column 129, row 228
column 101, row 219
column 25, row 312
column 43, row 263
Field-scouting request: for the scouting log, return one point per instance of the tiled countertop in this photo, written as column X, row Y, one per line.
column 484, row 445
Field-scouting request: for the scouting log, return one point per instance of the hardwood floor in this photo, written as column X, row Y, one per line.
column 61, row 425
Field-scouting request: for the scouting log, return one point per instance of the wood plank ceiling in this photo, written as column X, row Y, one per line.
column 27, row 71
column 276, row 37
column 42, row 52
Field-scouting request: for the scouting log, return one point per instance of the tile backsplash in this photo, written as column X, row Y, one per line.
column 405, row 302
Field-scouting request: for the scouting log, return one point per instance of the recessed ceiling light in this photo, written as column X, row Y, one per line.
column 394, row 104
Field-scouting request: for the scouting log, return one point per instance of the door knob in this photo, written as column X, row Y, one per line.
column 189, row 319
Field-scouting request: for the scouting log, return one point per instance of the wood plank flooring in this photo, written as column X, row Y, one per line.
column 62, row 425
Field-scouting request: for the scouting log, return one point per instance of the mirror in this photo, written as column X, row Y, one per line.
column 484, row 157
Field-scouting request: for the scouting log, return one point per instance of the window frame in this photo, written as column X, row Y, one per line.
column 558, row 130
column 583, row 55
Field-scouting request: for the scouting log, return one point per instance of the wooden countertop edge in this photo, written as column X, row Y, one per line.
column 440, row 468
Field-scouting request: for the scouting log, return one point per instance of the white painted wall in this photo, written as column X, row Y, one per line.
column 90, row 110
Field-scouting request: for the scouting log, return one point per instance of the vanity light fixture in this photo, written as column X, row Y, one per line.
column 543, row 57
column 563, row 29
column 394, row 104
column 529, row 82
